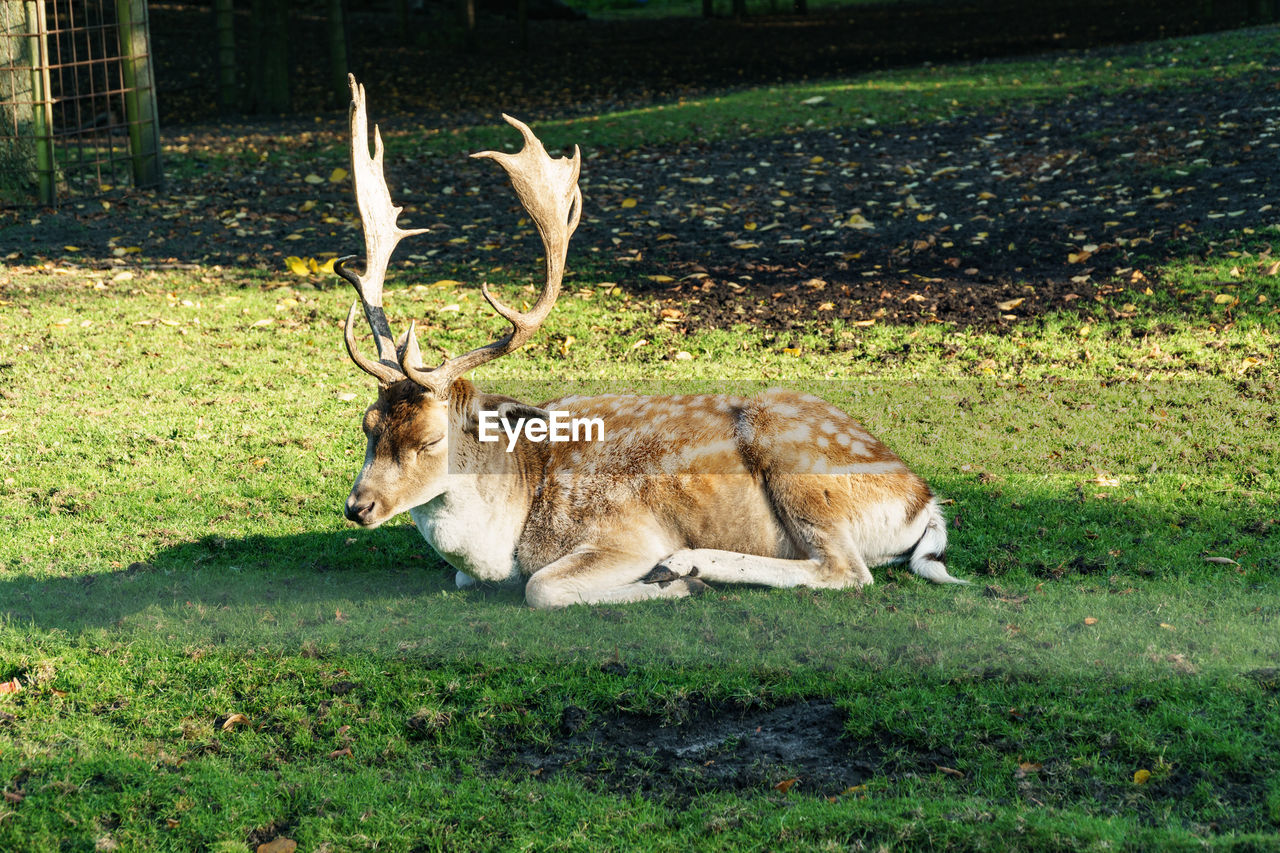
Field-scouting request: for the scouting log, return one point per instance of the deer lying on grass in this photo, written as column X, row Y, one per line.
column 781, row 490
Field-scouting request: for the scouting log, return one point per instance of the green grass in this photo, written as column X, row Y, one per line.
column 175, row 449
column 634, row 9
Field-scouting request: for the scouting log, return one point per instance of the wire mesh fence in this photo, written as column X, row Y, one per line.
column 77, row 100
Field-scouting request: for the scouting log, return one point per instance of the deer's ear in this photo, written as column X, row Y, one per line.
column 508, row 411
column 514, row 412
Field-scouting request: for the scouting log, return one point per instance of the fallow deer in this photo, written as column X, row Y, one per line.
column 780, row 490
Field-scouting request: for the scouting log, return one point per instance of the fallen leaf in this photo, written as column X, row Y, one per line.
column 950, row 771
column 297, row 265
column 313, row 178
column 814, row 101
column 345, row 752
column 857, row 220
column 1011, row 304
column 1272, row 269
column 235, row 720
column 786, row 784
column 10, row 686
column 1224, row 299
column 278, row 845
column 1141, row 777
column 13, row 797
column 1090, row 620
column 337, row 175
column 628, row 203
column 1222, row 561
column 1026, row 767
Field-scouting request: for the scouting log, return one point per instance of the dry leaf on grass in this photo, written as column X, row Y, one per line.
column 235, row 720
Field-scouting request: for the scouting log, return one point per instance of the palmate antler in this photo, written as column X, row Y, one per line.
column 548, row 190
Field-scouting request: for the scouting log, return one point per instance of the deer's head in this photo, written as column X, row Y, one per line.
column 408, row 427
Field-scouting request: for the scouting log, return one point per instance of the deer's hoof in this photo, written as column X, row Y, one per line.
column 660, row 574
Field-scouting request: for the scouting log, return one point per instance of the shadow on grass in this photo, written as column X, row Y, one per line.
column 1039, row 561
column 312, row 577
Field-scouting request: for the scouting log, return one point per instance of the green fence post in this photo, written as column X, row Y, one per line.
column 42, row 113
column 140, row 93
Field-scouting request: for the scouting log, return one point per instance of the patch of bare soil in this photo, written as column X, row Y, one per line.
column 800, row 747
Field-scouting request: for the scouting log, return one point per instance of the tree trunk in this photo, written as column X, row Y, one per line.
column 26, row 142
column 467, row 15
column 740, row 9
column 338, row 90
column 802, row 7
column 17, row 108
column 269, row 84
column 224, row 14
column 708, row 8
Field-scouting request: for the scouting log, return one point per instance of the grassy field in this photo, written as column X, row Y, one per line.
column 209, row 658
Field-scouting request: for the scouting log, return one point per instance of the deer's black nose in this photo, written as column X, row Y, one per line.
column 360, row 513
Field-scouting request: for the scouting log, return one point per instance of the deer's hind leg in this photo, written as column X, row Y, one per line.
column 819, row 552
column 826, row 570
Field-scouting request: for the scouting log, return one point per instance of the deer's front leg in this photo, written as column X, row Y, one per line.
column 601, row 576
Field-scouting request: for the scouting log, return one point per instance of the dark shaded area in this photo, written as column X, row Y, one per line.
column 986, row 218
column 989, row 218
column 590, row 65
